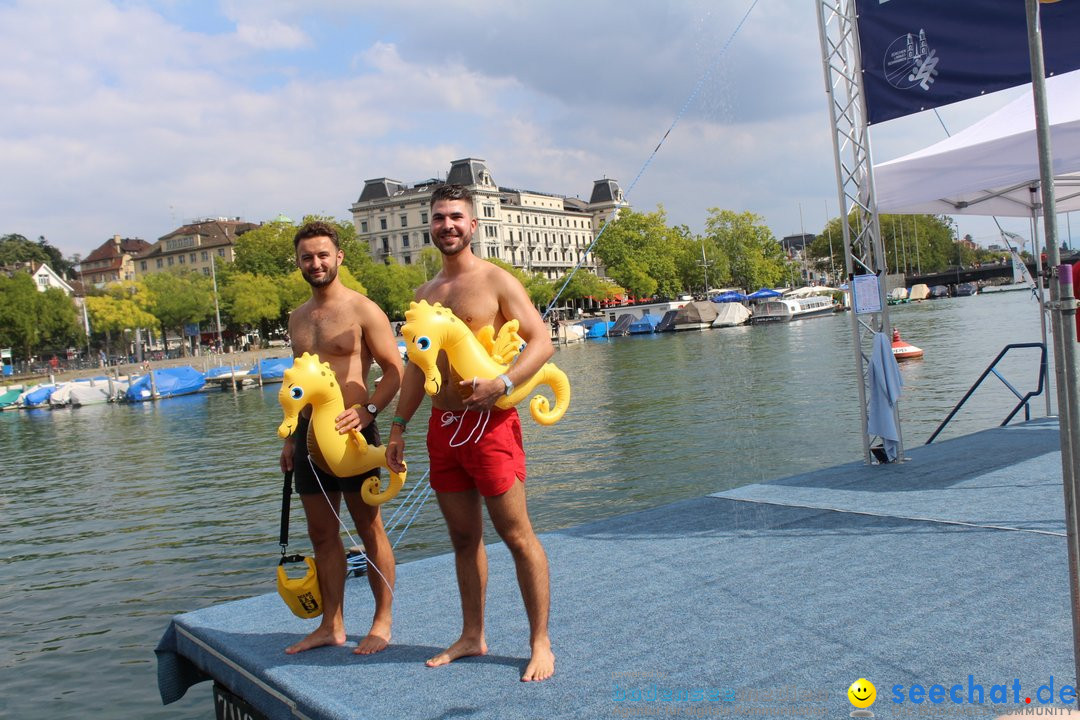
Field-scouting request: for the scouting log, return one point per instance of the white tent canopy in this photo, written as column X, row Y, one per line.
column 990, row 167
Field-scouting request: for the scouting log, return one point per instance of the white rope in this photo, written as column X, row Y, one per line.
column 449, row 418
column 352, row 540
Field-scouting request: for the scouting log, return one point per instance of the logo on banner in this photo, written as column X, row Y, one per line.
column 910, row 62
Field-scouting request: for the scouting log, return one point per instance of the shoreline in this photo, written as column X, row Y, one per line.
column 199, row 362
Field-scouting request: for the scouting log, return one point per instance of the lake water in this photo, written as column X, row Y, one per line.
column 117, row 517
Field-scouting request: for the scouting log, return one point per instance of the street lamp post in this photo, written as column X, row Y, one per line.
column 217, row 311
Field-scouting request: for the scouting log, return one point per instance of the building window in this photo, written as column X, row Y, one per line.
column 489, row 211
column 169, row 262
column 180, row 259
column 142, row 265
column 382, row 223
column 404, row 221
column 386, row 245
column 404, row 239
column 205, row 256
column 427, row 238
column 159, row 262
column 423, row 218
column 363, row 226
column 192, row 258
column 206, row 271
column 407, row 258
column 221, row 252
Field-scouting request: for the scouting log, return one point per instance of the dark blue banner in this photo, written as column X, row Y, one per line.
column 921, row 54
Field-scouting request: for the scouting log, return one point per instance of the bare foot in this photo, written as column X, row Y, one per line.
column 376, row 640
column 542, row 663
column 462, row 648
column 320, row 638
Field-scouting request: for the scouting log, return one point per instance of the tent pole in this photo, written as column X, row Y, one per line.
column 1063, row 318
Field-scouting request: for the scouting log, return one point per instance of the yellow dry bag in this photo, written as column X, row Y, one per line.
column 300, row 594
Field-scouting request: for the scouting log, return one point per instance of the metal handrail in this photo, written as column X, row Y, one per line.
column 1024, row 399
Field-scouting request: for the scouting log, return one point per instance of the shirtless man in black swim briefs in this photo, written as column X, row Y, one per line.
column 348, row 331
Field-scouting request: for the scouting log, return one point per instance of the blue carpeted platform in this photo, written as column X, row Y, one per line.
column 770, row 599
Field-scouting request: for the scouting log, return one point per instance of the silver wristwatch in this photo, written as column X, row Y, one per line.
column 508, row 383
column 370, row 407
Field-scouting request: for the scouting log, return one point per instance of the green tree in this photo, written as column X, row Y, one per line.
column 584, row 284
column 249, row 300
column 643, row 254
column 177, row 299
column 911, row 243
column 16, row 248
column 19, row 328
column 266, row 250
column 748, row 251
column 392, row 286
column 58, row 321
column 109, row 314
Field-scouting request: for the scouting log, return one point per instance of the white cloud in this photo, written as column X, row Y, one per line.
column 119, row 120
column 273, row 35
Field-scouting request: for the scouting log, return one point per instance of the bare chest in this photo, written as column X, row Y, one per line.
column 329, row 332
column 475, row 309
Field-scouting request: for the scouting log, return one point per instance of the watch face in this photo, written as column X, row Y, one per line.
column 370, row 407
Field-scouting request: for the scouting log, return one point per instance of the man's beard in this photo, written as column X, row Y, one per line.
column 326, row 279
column 450, row 252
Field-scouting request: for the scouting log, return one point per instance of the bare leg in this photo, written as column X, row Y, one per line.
column 330, row 561
column 464, row 521
column 510, row 517
column 380, row 555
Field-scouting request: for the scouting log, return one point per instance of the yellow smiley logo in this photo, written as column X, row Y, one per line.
column 862, row 693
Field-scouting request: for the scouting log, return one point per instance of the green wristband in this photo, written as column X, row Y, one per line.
column 398, row 420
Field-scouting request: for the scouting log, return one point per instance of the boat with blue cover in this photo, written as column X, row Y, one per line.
column 272, row 369
column 645, row 324
column 165, row 383
column 37, row 396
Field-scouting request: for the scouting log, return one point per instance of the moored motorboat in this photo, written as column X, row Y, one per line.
column 796, row 308
column 903, row 350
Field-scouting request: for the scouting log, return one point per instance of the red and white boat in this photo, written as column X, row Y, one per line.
column 902, row 350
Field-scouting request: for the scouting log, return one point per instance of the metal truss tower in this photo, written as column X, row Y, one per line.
column 863, row 249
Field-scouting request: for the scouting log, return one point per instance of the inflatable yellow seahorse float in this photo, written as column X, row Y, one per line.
column 310, row 382
column 429, row 329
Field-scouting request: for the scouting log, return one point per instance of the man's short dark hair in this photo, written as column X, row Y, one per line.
column 316, row 228
column 451, row 192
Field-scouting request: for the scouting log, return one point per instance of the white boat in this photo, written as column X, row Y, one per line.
column 696, row 315
column 730, row 314
column 792, row 308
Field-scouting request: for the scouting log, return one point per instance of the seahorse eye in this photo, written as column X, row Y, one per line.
column 297, row 393
column 423, row 342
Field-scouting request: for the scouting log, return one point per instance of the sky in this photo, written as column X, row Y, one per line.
column 132, row 117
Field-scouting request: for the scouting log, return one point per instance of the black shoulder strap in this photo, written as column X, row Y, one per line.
column 286, row 497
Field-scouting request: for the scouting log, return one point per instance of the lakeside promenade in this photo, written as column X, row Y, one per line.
column 768, row 600
column 199, row 362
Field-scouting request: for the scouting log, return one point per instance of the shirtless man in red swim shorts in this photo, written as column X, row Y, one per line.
column 464, row 467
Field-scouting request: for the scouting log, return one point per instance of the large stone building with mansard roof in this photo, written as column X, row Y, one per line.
column 534, row 231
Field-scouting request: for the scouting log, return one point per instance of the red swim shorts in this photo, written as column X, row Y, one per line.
column 465, row 453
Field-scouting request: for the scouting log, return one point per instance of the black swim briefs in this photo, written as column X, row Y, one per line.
column 305, row 480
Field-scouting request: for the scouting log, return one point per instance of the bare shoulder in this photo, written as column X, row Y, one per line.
column 300, row 314
column 427, row 290
column 365, row 308
column 501, row 281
